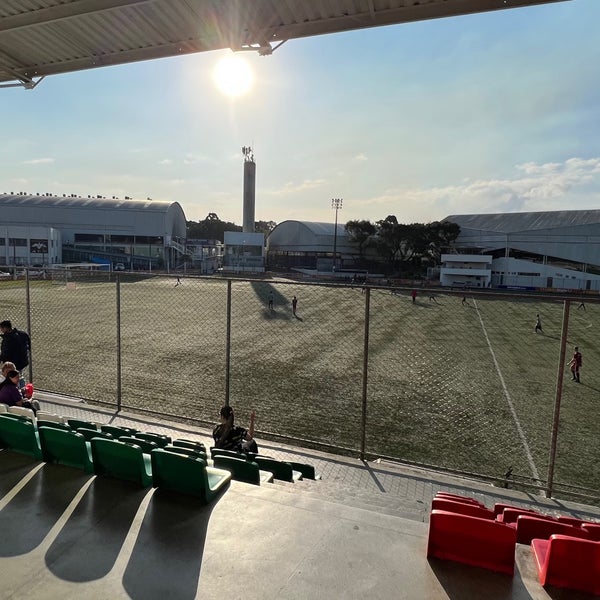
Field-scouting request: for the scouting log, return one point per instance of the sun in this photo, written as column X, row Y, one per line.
column 233, row 76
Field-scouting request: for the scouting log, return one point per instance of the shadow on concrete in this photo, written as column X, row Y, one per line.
column 28, row 518
column 167, row 557
column 89, row 543
column 13, row 467
column 463, row 582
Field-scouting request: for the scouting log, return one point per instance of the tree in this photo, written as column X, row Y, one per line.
column 264, row 227
column 360, row 232
column 416, row 243
column 212, row 228
column 389, row 239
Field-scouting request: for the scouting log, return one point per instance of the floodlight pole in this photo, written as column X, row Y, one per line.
column 336, row 204
column 558, row 398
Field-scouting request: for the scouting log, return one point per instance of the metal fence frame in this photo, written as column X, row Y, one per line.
column 547, row 486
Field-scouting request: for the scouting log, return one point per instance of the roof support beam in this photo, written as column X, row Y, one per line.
column 62, row 11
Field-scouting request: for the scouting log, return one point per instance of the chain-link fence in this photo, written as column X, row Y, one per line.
column 454, row 379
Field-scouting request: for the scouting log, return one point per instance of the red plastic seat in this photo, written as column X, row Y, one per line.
column 457, row 498
column 593, row 531
column 529, row 528
column 473, row 541
column 568, row 562
column 510, row 515
column 464, row 508
column 500, row 506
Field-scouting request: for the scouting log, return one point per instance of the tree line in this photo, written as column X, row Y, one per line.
column 212, row 228
column 414, row 245
column 411, row 247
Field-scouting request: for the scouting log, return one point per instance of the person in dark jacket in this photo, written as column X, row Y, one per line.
column 10, row 394
column 228, row 436
column 15, row 345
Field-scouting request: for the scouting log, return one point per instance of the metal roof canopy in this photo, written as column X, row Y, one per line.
column 46, row 37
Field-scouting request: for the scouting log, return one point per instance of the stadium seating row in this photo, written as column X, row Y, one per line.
column 566, row 549
column 249, row 468
column 170, row 467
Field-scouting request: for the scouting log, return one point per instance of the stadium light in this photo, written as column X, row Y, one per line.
column 336, row 204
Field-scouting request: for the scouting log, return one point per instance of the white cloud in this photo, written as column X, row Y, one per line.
column 292, row 188
column 38, row 161
column 573, row 184
column 361, row 157
column 165, row 161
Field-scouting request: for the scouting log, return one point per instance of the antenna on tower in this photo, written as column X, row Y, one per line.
column 248, row 154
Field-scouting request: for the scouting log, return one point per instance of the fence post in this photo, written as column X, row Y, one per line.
column 365, row 372
column 558, row 397
column 228, row 344
column 28, row 310
column 119, row 391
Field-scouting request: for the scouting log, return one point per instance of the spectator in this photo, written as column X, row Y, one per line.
column 228, row 436
column 9, row 391
column 15, row 346
column 26, row 389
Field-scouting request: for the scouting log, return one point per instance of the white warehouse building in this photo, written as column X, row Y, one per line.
column 554, row 250
column 46, row 230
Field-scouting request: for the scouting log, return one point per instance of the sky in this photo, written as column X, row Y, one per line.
column 495, row 112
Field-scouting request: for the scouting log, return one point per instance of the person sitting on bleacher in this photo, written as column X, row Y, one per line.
column 26, row 389
column 9, row 391
column 228, row 436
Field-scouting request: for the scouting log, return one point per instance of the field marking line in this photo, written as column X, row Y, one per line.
column 511, row 406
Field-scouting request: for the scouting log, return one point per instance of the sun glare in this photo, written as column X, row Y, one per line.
column 233, row 76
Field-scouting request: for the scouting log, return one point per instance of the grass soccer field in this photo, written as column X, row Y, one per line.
column 467, row 386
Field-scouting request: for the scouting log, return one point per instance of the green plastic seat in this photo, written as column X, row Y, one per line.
column 188, row 475
column 159, row 440
column 117, row 432
column 61, row 426
column 78, row 424
column 16, row 417
column 308, row 471
column 88, row 434
column 281, row 470
column 21, row 410
column 20, row 436
column 186, row 451
column 243, row 470
column 233, row 453
column 66, row 448
column 117, row 459
column 189, row 444
column 145, row 445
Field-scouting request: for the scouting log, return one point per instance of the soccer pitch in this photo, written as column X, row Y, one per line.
column 467, row 386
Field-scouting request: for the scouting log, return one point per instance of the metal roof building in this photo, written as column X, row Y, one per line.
column 571, row 235
column 307, row 244
column 562, row 245
column 118, row 229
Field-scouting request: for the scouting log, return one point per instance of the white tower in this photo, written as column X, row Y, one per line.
column 249, row 190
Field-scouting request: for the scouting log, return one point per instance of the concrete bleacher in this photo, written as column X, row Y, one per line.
column 359, row 532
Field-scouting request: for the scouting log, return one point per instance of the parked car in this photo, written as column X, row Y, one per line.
column 119, row 267
column 4, row 274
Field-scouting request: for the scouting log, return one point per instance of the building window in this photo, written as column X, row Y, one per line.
column 17, row 242
column 89, row 237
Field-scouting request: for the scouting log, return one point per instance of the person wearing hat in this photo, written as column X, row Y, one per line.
column 228, row 436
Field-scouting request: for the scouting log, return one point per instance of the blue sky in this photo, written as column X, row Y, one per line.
column 486, row 113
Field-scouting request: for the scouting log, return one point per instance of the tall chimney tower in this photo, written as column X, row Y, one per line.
column 249, row 190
